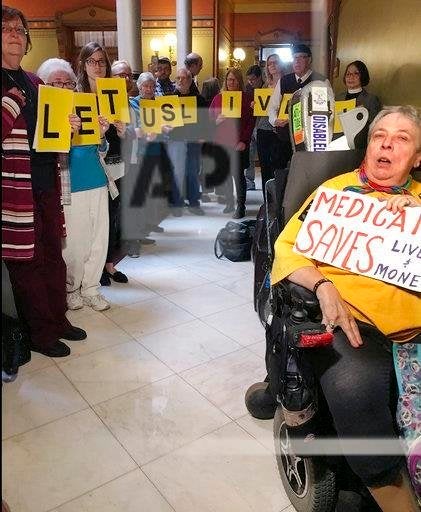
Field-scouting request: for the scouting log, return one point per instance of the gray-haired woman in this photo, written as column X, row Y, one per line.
column 147, row 155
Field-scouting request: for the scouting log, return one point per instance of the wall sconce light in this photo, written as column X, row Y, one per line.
column 233, row 59
column 222, row 55
column 238, row 55
column 171, row 41
column 155, row 45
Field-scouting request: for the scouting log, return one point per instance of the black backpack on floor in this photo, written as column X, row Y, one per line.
column 235, row 240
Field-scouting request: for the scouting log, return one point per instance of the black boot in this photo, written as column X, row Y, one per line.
column 240, row 212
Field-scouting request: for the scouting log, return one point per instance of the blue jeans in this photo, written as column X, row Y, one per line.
column 194, row 151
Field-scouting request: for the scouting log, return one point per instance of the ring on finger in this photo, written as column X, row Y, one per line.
column 331, row 324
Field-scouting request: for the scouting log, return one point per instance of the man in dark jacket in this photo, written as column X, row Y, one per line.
column 301, row 76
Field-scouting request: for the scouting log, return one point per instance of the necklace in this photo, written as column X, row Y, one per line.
column 26, row 93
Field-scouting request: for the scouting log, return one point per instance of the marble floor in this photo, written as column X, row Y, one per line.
column 148, row 414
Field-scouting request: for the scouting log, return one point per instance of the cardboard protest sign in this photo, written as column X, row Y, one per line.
column 356, row 233
column 53, row 130
column 342, row 106
column 231, row 103
column 261, row 101
column 150, row 116
column 85, row 106
column 188, row 105
column 170, row 110
column 113, row 101
column 283, row 107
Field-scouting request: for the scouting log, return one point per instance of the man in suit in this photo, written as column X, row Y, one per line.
column 194, row 64
column 301, row 76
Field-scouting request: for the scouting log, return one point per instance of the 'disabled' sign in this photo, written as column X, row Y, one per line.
column 357, row 233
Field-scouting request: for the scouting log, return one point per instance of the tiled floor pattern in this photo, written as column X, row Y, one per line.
column 148, row 415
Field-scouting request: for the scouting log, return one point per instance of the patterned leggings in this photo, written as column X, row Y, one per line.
column 407, row 359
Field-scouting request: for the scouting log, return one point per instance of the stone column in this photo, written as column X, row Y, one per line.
column 128, row 33
column 184, row 30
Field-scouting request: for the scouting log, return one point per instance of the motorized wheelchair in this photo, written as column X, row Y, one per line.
column 312, row 483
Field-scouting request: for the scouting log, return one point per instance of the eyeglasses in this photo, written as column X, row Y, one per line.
column 350, row 73
column 123, row 75
column 92, row 62
column 8, row 29
column 300, row 57
column 66, row 85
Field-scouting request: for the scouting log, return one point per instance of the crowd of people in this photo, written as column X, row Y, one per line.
column 75, row 189
column 61, row 225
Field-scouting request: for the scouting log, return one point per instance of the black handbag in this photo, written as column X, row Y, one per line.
column 235, row 240
column 15, row 341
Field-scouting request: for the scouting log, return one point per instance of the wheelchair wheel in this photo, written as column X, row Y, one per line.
column 308, row 482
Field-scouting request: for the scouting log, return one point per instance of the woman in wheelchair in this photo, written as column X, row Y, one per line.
column 366, row 316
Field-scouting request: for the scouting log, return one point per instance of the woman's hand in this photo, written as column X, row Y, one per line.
column 17, row 92
column 120, row 127
column 281, row 122
column 398, row 202
column 240, row 146
column 221, row 118
column 75, row 122
column 103, row 125
column 151, row 136
column 336, row 313
column 140, row 134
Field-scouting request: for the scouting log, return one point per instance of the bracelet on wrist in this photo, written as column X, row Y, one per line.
column 321, row 281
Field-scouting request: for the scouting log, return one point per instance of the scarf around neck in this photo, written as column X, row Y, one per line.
column 369, row 186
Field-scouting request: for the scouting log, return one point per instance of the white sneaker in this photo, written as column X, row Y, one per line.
column 97, row 302
column 74, row 300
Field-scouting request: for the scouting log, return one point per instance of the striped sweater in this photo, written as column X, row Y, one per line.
column 18, row 235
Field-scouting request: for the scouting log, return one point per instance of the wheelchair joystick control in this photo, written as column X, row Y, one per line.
column 298, row 313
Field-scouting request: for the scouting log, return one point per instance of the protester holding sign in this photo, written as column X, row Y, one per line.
column 365, row 314
column 268, row 147
column 288, row 84
column 234, row 133
column 59, row 73
column 149, row 168
column 114, row 135
column 32, row 219
column 183, row 146
column 87, row 217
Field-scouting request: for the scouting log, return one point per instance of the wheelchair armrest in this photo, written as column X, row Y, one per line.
column 292, row 293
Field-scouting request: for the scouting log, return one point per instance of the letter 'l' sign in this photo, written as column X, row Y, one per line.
column 53, row 130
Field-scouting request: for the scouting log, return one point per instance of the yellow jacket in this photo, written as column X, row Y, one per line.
column 395, row 311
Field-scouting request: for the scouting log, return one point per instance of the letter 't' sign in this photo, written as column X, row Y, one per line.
column 112, row 99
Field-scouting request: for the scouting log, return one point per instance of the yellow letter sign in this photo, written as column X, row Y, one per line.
column 53, row 130
column 112, row 99
column 261, row 101
column 231, row 103
column 85, row 107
